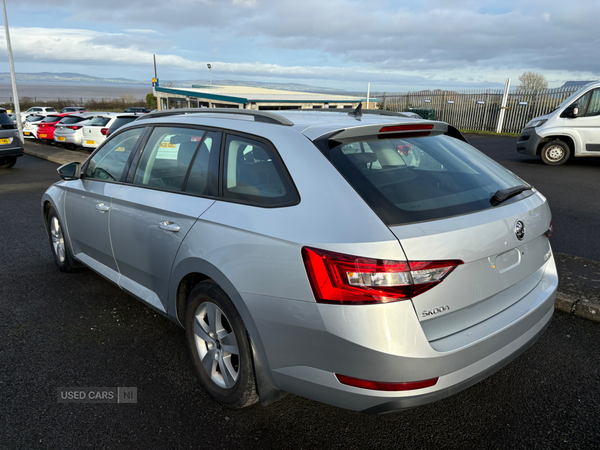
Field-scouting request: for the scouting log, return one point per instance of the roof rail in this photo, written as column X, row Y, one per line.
column 259, row 116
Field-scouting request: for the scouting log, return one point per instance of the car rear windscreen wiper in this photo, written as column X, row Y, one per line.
column 502, row 195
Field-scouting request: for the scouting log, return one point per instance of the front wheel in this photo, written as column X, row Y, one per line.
column 555, row 153
column 219, row 346
column 8, row 162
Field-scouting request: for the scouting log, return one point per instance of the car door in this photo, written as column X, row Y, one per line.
column 587, row 123
column 151, row 216
column 88, row 203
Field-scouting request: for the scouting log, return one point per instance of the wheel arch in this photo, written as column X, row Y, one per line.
column 185, row 276
column 569, row 140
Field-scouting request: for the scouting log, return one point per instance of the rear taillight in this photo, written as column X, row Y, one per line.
column 104, row 131
column 345, row 279
column 550, row 230
column 75, row 127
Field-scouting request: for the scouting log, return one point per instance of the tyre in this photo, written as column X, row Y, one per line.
column 555, row 153
column 8, row 162
column 58, row 243
column 219, row 346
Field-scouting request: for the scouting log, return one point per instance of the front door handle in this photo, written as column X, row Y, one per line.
column 102, row 207
column 169, row 226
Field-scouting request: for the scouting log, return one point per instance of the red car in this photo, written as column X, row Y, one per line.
column 45, row 131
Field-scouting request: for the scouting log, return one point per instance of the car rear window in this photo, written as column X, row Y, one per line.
column 5, row 121
column 71, row 119
column 98, row 121
column 120, row 121
column 34, row 118
column 421, row 178
column 50, row 119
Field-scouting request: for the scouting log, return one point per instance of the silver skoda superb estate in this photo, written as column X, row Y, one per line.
column 370, row 261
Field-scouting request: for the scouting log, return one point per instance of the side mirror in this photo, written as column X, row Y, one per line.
column 70, row 171
column 571, row 112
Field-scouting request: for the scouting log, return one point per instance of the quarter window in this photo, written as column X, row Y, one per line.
column 253, row 174
column 167, row 156
column 110, row 161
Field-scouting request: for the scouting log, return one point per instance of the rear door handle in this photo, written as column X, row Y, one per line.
column 169, row 226
column 102, row 207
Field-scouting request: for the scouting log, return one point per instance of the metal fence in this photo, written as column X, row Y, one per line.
column 480, row 110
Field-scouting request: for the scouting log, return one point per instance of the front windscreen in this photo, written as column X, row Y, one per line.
column 424, row 178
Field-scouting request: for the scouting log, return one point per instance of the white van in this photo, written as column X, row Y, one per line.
column 572, row 129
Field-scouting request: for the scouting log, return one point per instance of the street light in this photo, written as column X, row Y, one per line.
column 209, row 68
column 12, row 75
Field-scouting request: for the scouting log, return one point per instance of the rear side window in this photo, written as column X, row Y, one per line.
column 254, row 174
column 167, row 156
column 417, row 179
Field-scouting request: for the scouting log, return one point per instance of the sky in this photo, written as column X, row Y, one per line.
column 397, row 46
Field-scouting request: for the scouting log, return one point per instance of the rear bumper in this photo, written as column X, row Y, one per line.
column 529, row 142
column 307, row 344
column 9, row 152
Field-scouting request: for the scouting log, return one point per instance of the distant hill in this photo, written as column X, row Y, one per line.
column 67, row 77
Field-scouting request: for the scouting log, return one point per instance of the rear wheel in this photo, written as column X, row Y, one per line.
column 8, row 162
column 219, row 346
column 555, row 153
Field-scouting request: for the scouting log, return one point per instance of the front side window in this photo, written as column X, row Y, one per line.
column 109, row 162
column 593, row 108
column 408, row 180
column 167, row 156
column 254, row 174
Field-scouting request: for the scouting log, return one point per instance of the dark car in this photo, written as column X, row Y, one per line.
column 120, row 121
column 11, row 146
column 73, row 109
column 137, row 109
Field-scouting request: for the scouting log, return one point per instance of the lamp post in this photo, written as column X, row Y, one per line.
column 209, row 68
column 12, row 75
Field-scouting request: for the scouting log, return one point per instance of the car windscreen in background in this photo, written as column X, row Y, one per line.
column 424, row 178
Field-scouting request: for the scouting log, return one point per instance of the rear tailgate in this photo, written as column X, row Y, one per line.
column 498, row 271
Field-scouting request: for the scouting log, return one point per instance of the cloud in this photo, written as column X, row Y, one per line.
column 332, row 40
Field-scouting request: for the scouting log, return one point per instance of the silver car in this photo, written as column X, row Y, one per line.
column 69, row 131
column 369, row 261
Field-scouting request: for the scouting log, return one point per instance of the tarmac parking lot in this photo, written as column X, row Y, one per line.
column 78, row 330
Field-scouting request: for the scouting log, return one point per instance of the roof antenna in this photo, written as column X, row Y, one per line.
column 357, row 112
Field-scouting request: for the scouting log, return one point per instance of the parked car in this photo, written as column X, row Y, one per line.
column 137, row 109
column 30, row 125
column 99, row 128
column 46, row 126
column 372, row 262
column 11, row 146
column 69, row 131
column 37, row 110
column 572, row 129
column 73, row 109
column 121, row 120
